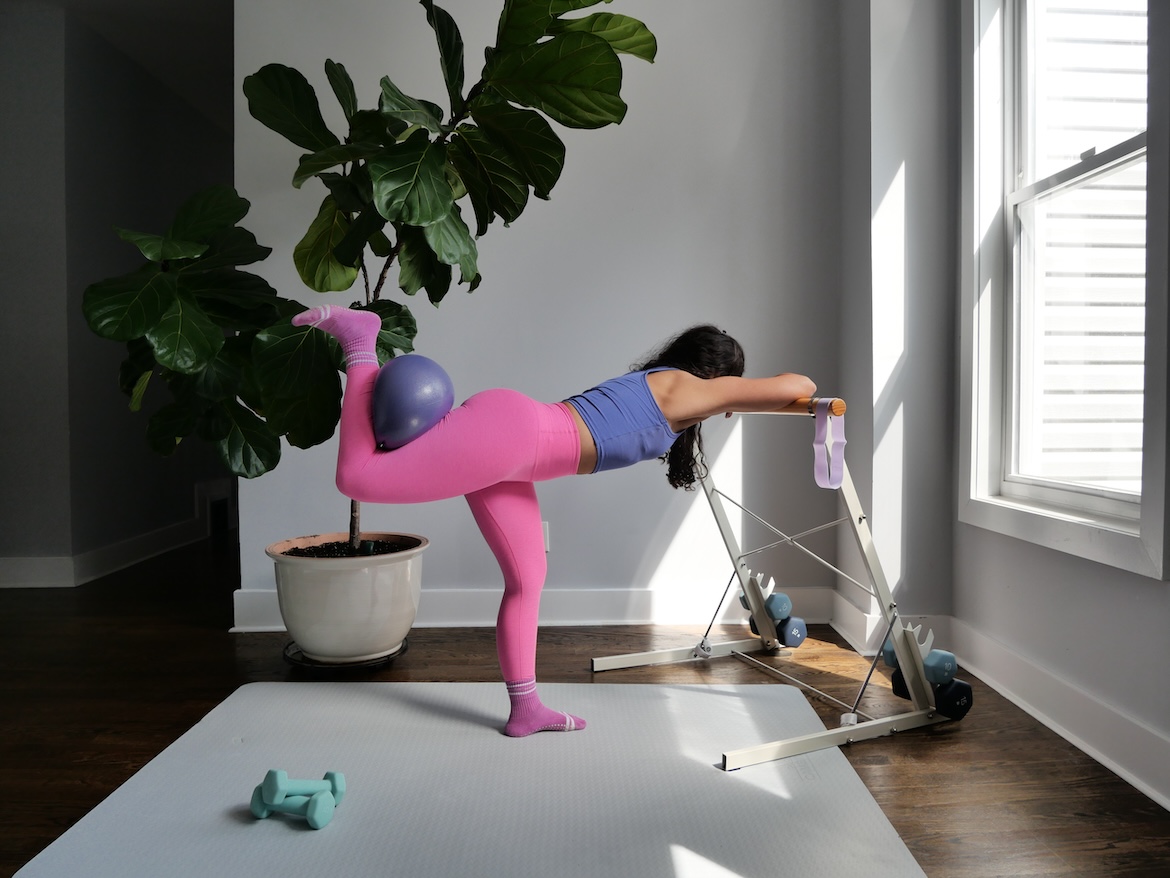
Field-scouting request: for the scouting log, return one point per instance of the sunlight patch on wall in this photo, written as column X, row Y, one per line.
column 688, row 581
column 889, row 283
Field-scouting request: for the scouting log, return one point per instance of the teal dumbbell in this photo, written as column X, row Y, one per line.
column 940, row 666
column 778, row 606
column 317, row 809
column 277, row 786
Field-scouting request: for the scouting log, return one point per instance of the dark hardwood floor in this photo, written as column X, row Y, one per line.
column 98, row 680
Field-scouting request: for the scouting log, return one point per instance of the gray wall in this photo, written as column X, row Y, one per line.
column 91, row 142
column 718, row 198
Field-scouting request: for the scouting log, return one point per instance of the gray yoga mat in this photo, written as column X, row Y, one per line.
column 435, row 789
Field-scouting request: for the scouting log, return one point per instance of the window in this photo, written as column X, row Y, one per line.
column 1064, row 328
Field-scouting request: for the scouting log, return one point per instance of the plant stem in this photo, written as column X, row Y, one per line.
column 355, row 526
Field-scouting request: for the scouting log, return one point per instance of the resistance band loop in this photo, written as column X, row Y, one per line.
column 828, row 449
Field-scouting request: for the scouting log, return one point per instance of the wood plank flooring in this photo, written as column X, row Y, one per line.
column 98, row 680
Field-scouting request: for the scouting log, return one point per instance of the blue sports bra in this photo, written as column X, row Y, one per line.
column 625, row 421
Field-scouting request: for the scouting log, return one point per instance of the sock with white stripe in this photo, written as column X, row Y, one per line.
column 355, row 331
column 529, row 714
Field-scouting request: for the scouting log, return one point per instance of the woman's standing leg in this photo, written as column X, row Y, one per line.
column 508, row 515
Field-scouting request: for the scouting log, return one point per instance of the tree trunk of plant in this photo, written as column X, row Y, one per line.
column 355, row 526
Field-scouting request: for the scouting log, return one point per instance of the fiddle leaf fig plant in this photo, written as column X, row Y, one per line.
column 396, row 183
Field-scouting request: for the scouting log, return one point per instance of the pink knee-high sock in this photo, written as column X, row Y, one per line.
column 355, row 331
column 529, row 714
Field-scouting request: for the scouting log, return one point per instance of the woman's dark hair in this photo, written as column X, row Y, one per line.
column 708, row 352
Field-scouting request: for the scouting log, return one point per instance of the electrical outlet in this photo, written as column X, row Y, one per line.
column 544, row 524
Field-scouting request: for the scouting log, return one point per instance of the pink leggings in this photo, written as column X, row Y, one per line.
column 490, row 450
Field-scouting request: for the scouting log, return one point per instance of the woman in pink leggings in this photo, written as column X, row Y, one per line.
column 493, row 448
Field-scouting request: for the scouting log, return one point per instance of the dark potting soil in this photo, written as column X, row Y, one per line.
column 342, row 548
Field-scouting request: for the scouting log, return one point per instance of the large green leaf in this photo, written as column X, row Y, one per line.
column 372, row 126
column 314, row 163
column 313, row 255
column 362, row 228
column 185, row 339
column 352, row 191
column 527, row 137
column 419, row 268
column 168, row 426
column 450, row 51
column 453, row 245
column 282, row 99
column 234, row 246
column 123, row 308
column 289, row 358
column 342, row 85
column 410, row 184
column 398, row 328
column 575, row 78
column 208, row 212
column 625, row 34
column 492, row 179
column 158, row 248
column 398, row 105
column 250, row 447
column 309, row 418
column 236, row 300
column 525, row 21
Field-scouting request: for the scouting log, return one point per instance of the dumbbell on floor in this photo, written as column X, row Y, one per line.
column 317, row 809
column 277, row 785
column 790, row 632
column 952, row 699
column 939, row 664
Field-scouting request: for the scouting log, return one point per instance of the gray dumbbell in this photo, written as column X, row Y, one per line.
column 317, row 809
column 277, row 785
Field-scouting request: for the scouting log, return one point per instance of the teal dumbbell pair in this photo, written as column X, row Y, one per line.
column 315, row 800
column 952, row 697
column 790, row 629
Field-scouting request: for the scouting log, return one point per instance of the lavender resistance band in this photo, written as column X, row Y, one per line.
column 828, row 446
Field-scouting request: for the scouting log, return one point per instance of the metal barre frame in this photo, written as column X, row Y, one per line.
column 904, row 639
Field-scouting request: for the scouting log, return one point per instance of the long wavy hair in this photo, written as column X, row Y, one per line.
column 708, row 352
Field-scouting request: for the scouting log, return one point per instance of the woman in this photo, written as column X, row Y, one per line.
column 494, row 448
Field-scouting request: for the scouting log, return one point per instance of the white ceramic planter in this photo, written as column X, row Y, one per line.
column 346, row 610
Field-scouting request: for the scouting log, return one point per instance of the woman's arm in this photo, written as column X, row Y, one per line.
column 686, row 399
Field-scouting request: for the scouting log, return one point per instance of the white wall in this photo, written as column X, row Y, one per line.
column 717, row 199
column 898, row 169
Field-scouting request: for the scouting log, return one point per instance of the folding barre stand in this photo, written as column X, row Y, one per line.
column 905, row 640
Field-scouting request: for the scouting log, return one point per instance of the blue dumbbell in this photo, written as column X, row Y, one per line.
column 940, row 666
column 792, row 631
column 779, row 606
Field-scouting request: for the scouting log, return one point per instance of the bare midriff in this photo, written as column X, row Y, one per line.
column 588, row 446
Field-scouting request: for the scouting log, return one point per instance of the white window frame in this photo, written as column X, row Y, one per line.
column 1137, row 541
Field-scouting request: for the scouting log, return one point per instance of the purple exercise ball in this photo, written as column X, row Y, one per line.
column 411, row 395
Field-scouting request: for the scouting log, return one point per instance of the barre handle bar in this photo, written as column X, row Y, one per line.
column 808, row 406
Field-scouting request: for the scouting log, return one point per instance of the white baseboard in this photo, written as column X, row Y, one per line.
column 865, row 632
column 258, row 609
column 69, row 571
column 1123, row 744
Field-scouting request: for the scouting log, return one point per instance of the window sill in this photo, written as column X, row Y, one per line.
column 1114, row 542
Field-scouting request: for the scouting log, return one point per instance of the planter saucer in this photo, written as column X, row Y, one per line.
column 294, row 655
